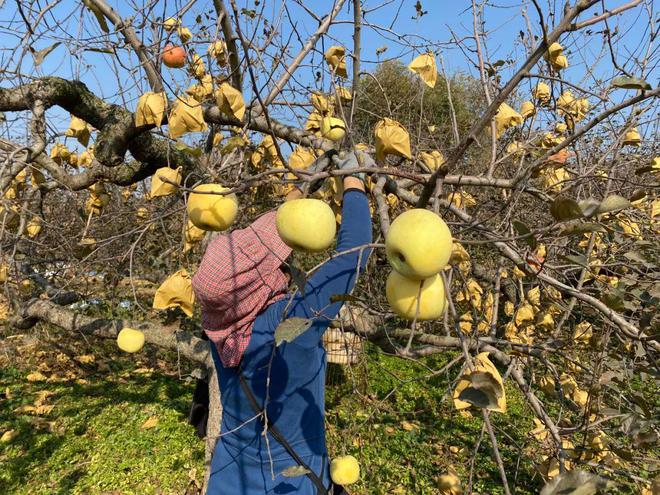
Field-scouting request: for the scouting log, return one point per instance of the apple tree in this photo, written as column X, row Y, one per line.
column 537, row 147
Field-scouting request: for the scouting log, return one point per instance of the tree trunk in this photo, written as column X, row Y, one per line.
column 213, row 423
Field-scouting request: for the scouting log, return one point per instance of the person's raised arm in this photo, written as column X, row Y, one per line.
column 338, row 275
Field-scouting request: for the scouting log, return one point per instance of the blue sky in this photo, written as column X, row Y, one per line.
column 105, row 74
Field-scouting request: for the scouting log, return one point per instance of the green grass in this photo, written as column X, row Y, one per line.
column 404, row 431
column 92, row 440
column 406, row 441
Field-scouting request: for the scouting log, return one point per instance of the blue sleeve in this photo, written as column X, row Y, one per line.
column 338, row 275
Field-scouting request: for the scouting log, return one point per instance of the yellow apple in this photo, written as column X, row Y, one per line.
column 130, row 340
column 344, row 470
column 402, row 295
column 333, row 128
column 418, row 244
column 306, row 224
column 212, row 211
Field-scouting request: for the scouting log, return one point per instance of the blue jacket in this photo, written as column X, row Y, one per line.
column 296, row 394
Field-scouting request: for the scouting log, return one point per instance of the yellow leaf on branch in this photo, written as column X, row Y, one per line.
column 465, row 323
column 524, row 314
column 171, row 24
column 192, row 235
column 34, row 227
column 554, row 179
column 186, row 116
column 426, row 68
column 573, row 108
column 343, row 93
column 60, row 154
column 313, row 123
column 150, row 109
column 230, row 101
column 86, row 158
column 391, row 139
column 176, row 292
column 515, row 148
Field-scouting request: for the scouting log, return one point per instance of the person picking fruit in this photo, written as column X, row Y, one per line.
column 242, row 286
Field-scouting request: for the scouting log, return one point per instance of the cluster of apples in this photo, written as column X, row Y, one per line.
column 418, row 246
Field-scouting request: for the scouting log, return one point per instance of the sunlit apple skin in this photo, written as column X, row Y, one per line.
column 418, row 244
column 306, row 224
column 174, row 56
column 213, row 212
column 402, row 295
column 130, row 340
column 344, row 470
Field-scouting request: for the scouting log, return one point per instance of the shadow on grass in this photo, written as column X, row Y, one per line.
column 406, row 432
column 76, row 407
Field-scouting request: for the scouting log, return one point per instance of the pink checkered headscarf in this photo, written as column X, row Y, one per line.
column 240, row 276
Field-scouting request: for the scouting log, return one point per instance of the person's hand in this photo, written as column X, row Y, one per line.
column 355, row 160
column 319, row 165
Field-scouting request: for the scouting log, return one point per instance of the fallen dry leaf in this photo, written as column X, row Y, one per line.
column 150, row 423
column 36, row 376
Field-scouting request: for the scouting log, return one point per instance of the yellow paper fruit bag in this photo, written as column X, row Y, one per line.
column 527, row 109
column 480, row 386
column 391, row 139
column 150, row 109
column 505, row 118
column 160, row 182
column 432, row 159
column 424, row 65
column 541, row 92
column 187, row 116
column 230, row 101
column 79, row 129
column 336, row 58
column 176, row 291
column 632, row 138
column 218, row 51
column 555, row 55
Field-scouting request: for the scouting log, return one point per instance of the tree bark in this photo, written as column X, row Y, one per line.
column 213, row 423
